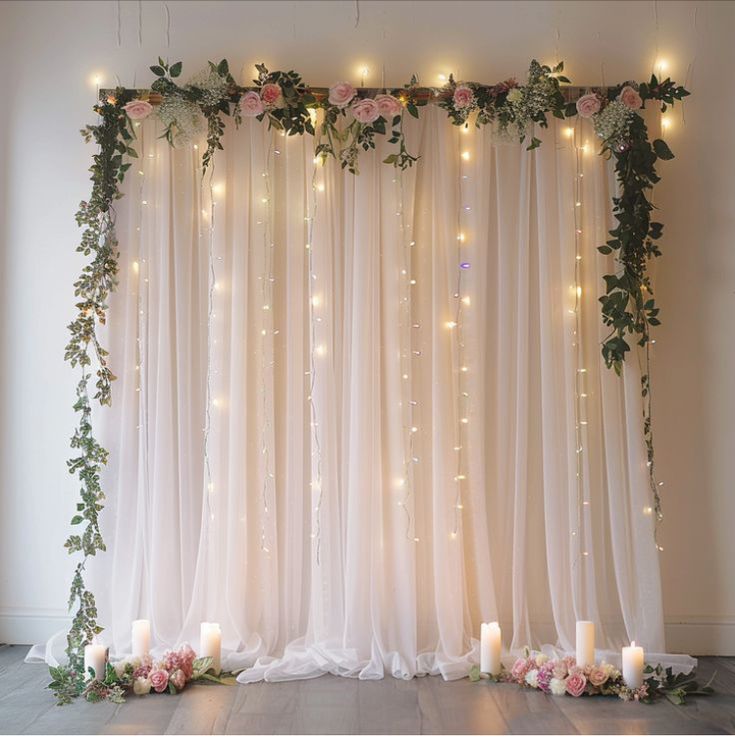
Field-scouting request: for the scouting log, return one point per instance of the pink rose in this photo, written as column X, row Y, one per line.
column 365, row 111
column 388, row 105
column 270, row 93
column 159, row 680
column 631, row 98
column 463, row 97
column 138, row 109
column 560, row 670
column 597, row 677
column 588, row 105
column 178, row 679
column 251, row 104
column 519, row 669
column 576, row 683
column 341, row 94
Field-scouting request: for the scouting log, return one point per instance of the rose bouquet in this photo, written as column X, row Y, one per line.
column 562, row 676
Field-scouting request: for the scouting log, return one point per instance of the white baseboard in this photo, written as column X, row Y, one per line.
column 705, row 636
column 702, row 636
column 31, row 626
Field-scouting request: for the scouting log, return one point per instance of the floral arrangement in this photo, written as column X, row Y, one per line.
column 563, row 677
column 352, row 120
column 509, row 107
column 139, row 675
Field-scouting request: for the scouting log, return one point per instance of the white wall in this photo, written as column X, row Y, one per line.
column 50, row 50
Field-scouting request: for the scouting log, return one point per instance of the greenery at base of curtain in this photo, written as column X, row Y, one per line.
column 286, row 103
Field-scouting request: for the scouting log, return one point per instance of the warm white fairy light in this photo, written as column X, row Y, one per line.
column 410, row 415
column 266, row 348
column 580, row 396
column 461, row 303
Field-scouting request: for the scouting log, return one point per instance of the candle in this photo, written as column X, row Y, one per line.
column 210, row 644
column 141, row 637
column 95, row 657
column 633, row 666
column 585, row 643
column 490, row 648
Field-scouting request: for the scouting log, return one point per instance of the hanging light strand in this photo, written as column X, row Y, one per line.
column 212, row 273
column 266, row 346
column 456, row 327
column 580, row 372
column 409, row 406
column 317, row 484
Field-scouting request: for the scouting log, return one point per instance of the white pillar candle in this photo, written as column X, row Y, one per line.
column 210, row 644
column 585, row 643
column 141, row 637
column 633, row 666
column 490, row 646
column 95, row 657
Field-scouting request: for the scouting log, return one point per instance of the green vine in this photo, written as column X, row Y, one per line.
column 98, row 278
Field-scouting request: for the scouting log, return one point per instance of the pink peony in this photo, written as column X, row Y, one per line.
column 138, row 109
column 545, row 674
column 597, row 677
column 519, row 669
column 388, row 105
column 251, row 104
column 178, row 679
column 186, row 661
column 630, row 97
column 463, row 97
column 159, row 680
column 270, row 94
column 365, row 111
column 588, row 105
column 576, row 683
column 341, row 94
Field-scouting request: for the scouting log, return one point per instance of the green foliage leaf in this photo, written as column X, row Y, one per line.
column 662, row 150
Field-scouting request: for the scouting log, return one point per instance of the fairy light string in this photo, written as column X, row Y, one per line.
column 315, row 347
column 267, row 332
column 581, row 532
column 456, row 327
column 409, row 405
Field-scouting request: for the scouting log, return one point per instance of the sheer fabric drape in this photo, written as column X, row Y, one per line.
column 307, row 449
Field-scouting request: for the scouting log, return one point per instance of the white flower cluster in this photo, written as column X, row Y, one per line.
column 612, row 124
column 182, row 119
column 212, row 85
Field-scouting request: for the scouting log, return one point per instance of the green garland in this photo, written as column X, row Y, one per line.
column 628, row 306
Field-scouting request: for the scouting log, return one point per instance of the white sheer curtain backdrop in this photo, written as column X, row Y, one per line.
column 305, row 449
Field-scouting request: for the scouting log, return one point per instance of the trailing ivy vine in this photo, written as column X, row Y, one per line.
column 286, row 103
column 98, row 278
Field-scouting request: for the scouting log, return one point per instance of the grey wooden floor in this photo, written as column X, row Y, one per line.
column 346, row 706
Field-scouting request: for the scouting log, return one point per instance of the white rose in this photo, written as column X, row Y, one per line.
column 120, row 668
column 532, row 678
column 515, row 94
column 557, row 687
column 141, row 686
column 541, row 658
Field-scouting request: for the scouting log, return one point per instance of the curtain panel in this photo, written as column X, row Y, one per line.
column 355, row 416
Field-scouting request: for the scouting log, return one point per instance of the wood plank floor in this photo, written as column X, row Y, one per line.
column 331, row 705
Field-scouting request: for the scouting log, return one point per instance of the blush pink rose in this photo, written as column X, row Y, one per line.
column 178, row 679
column 388, row 105
column 251, row 104
column 519, row 669
column 463, row 97
column 588, row 105
column 159, row 680
column 597, row 677
column 270, row 94
column 576, row 683
column 631, row 98
column 138, row 109
column 365, row 111
column 341, row 94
